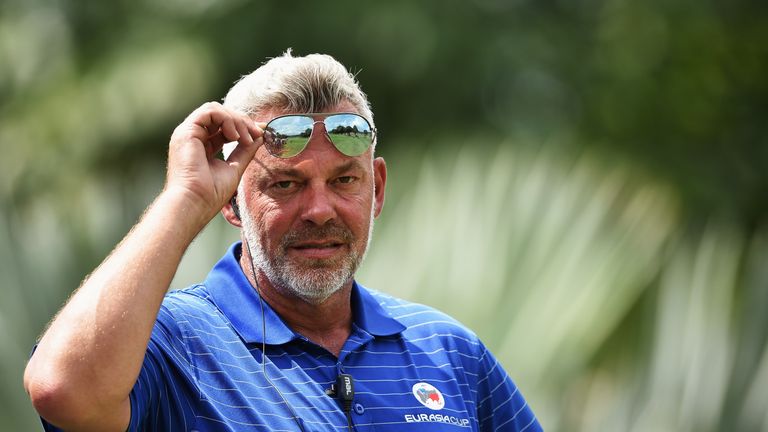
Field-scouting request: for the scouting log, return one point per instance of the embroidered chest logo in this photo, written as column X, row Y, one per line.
column 429, row 396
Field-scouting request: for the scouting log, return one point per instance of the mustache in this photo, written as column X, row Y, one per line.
column 320, row 233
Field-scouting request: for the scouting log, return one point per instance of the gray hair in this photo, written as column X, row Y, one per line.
column 307, row 84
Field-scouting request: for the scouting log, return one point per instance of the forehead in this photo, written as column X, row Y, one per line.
column 266, row 115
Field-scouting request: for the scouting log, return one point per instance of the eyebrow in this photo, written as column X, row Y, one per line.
column 293, row 172
column 346, row 166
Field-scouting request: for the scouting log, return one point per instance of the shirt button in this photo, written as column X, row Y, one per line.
column 359, row 409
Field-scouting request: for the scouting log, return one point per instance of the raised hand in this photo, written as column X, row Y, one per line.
column 110, row 317
column 193, row 168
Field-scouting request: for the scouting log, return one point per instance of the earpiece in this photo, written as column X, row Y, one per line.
column 235, row 208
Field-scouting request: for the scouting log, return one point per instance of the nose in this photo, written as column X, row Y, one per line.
column 318, row 205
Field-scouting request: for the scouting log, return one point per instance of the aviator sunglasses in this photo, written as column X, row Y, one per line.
column 288, row 135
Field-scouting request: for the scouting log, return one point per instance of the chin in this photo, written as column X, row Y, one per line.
column 315, row 285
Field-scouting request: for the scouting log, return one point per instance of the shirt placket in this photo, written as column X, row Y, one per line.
column 349, row 356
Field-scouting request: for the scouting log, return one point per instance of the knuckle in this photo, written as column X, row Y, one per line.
column 179, row 132
column 183, row 132
column 208, row 109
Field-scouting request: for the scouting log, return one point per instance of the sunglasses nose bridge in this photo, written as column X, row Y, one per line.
column 316, row 122
column 322, row 129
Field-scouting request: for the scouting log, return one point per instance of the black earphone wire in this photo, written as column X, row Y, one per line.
column 264, row 339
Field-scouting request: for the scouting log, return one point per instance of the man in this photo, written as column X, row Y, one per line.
column 279, row 336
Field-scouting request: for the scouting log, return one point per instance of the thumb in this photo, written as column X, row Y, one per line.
column 242, row 155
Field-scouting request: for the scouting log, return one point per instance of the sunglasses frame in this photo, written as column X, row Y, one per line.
column 323, row 117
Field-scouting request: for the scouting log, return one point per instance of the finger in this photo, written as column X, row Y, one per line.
column 245, row 125
column 228, row 128
column 212, row 117
column 245, row 137
column 243, row 154
column 256, row 129
column 203, row 113
column 250, row 135
column 214, row 145
column 242, row 129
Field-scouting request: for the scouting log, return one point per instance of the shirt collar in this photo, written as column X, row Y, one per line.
column 238, row 300
column 370, row 316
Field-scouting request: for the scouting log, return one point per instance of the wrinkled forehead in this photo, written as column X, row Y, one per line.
column 267, row 115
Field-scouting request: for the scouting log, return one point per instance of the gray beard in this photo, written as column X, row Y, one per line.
column 316, row 280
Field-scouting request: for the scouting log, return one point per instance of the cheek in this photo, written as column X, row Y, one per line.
column 356, row 214
column 271, row 221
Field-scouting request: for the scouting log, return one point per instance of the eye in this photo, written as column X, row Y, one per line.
column 284, row 185
column 345, row 179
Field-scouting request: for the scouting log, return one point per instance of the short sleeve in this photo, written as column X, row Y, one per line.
column 150, row 389
column 500, row 405
column 149, row 396
column 145, row 395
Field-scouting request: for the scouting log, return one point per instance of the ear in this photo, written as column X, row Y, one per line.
column 379, row 183
column 231, row 213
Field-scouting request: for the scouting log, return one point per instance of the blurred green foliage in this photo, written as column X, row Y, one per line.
column 582, row 182
column 677, row 86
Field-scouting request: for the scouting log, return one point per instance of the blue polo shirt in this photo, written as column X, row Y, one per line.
column 414, row 368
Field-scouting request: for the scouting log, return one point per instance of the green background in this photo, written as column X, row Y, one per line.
column 583, row 183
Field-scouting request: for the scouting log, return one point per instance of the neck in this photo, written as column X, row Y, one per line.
column 327, row 324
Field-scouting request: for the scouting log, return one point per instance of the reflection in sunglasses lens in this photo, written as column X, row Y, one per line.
column 287, row 136
column 350, row 133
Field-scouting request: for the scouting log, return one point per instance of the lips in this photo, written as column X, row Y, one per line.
column 317, row 244
column 317, row 249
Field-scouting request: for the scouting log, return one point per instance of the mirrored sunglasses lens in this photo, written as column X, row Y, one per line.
column 287, row 136
column 350, row 133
